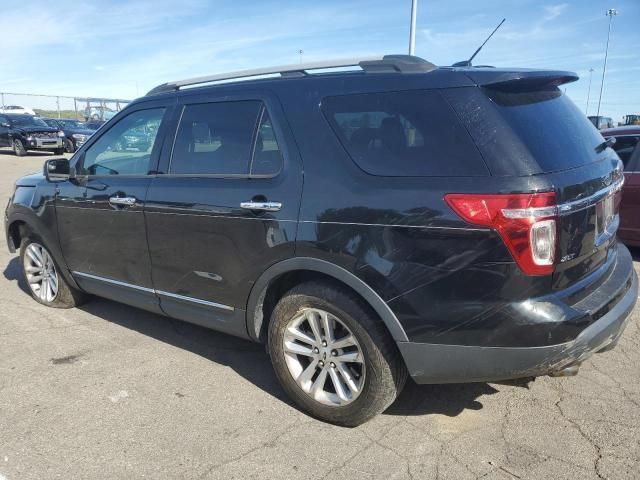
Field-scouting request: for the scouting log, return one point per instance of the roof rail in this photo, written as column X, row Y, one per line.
column 385, row 64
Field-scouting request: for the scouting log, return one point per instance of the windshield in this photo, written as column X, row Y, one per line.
column 28, row 121
column 71, row 123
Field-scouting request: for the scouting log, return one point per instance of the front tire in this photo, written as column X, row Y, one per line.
column 46, row 285
column 18, row 148
column 69, row 146
column 333, row 355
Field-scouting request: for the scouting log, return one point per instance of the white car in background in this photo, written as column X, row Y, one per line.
column 17, row 109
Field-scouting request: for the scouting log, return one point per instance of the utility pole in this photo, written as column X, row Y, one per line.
column 586, row 111
column 612, row 12
column 412, row 29
column 300, row 52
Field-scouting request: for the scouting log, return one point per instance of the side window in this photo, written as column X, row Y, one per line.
column 367, row 123
column 215, row 138
column 414, row 133
column 624, row 147
column 125, row 149
column 267, row 158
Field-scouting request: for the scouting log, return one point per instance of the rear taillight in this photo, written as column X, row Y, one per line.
column 526, row 222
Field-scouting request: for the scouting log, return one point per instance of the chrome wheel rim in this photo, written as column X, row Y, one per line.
column 324, row 357
column 41, row 273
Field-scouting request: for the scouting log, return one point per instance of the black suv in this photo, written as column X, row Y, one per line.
column 26, row 132
column 452, row 224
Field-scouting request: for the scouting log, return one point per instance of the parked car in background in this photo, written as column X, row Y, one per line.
column 601, row 122
column 17, row 109
column 139, row 139
column 93, row 124
column 450, row 224
column 632, row 120
column 75, row 132
column 25, row 132
column 99, row 113
column 627, row 147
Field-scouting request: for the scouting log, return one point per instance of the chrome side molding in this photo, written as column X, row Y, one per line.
column 114, row 282
column 195, row 300
column 155, row 292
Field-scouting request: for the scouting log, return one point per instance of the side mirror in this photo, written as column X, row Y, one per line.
column 57, row 169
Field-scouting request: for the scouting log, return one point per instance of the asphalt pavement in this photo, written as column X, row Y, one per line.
column 108, row 391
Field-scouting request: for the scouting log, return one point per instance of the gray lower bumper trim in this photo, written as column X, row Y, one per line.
column 45, row 143
column 432, row 363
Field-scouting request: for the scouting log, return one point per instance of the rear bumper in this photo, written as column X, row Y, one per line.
column 434, row 363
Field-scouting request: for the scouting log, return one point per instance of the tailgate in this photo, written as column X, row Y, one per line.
column 589, row 200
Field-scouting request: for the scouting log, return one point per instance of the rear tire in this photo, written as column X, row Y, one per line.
column 18, row 148
column 368, row 368
column 46, row 285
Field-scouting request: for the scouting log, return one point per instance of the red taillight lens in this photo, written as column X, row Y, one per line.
column 527, row 224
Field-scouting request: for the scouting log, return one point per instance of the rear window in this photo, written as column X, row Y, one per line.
column 413, row 133
column 555, row 132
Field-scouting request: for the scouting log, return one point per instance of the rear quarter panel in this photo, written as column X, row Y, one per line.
column 446, row 281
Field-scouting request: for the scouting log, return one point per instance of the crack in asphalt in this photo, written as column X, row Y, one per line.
column 257, row 448
column 578, row 427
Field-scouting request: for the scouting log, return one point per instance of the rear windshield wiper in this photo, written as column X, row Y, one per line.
column 609, row 142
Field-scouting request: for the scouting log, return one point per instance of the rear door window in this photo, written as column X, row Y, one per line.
column 414, row 133
column 216, row 138
column 267, row 157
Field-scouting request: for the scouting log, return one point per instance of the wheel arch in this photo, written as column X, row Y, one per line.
column 15, row 232
column 283, row 275
column 20, row 225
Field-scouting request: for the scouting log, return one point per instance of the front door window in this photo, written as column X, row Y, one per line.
column 125, row 149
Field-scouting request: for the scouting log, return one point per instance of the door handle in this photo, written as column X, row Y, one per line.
column 123, row 201
column 263, row 206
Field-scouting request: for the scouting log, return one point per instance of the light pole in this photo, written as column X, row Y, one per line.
column 586, row 112
column 612, row 12
column 412, row 28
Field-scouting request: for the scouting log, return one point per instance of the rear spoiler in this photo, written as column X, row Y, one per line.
column 519, row 80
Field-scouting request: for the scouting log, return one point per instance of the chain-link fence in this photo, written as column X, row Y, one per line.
column 59, row 106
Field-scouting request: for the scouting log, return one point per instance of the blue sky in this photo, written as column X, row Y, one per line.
column 123, row 48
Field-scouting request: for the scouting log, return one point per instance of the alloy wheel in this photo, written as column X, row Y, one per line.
column 41, row 273
column 324, row 357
